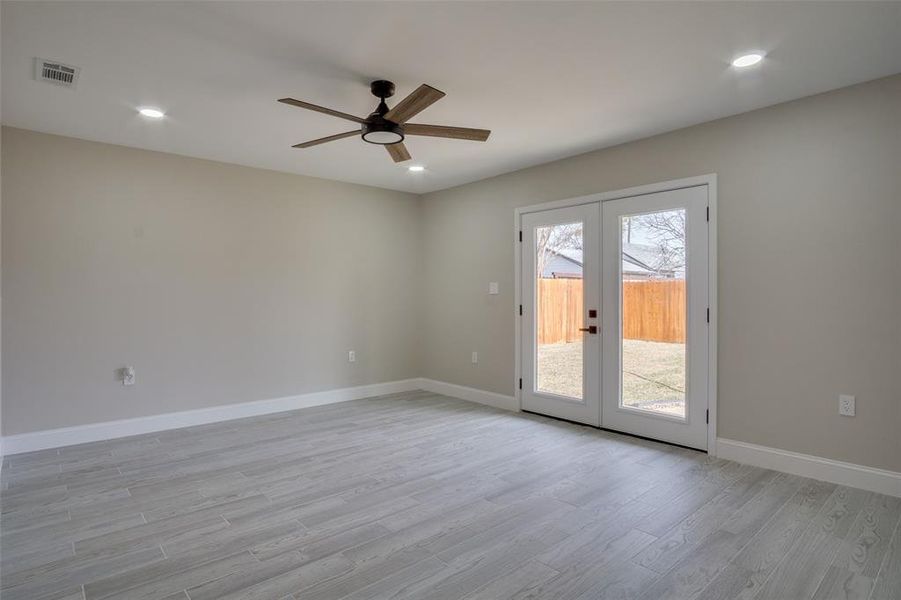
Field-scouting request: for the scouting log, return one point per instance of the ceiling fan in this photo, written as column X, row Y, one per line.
column 388, row 127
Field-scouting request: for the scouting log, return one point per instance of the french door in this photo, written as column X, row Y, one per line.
column 614, row 314
column 561, row 280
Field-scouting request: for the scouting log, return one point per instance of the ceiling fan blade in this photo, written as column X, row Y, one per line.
column 398, row 152
column 321, row 109
column 459, row 133
column 331, row 138
column 418, row 100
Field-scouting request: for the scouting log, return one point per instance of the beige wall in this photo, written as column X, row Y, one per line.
column 226, row 284
column 219, row 283
column 809, row 266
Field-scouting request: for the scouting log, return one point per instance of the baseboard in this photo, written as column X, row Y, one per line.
column 467, row 393
column 68, row 436
column 815, row 467
column 805, row 465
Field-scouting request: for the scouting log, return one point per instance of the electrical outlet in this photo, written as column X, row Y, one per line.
column 492, row 288
column 475, row 358
column 351, row 356
column 846, row 405
column 128, row 375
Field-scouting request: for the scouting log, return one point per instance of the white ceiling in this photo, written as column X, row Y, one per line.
column 551, row 79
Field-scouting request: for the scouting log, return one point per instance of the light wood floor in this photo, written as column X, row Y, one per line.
column 423, row 496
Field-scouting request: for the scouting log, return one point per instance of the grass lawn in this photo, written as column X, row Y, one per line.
column 653, row 373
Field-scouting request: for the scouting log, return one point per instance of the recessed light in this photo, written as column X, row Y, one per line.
column 747, row 60
column 151, row 112
column 416, row 168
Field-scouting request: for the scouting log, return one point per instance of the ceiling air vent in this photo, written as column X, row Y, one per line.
column 55, row 72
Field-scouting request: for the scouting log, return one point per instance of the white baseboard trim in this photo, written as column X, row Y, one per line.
column 815, row 467
column 80, row 434
column 805, row 465
column 467, row 393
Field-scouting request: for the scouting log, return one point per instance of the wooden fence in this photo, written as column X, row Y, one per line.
column 559, row 310
column 652, row 310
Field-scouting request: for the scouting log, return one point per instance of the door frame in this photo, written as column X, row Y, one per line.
column 664, row 186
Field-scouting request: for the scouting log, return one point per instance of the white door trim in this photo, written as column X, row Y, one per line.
column 710, row 181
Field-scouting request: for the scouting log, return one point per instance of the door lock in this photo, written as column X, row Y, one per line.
column 589, row 329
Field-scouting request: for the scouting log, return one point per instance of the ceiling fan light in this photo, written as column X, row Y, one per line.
column 383, row 137
column 383, row 133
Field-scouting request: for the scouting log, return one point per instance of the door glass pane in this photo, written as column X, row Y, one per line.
column 653, row 312
column 558, row 314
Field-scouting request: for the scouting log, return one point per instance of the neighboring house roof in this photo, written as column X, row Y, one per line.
column 572, row 254
column 638, row 259
column 647, row 257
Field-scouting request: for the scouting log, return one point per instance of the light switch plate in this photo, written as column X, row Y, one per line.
column 493, row 288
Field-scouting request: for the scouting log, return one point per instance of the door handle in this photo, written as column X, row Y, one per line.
column 589, row 329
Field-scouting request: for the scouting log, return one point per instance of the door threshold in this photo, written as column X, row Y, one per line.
column 616, row 431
